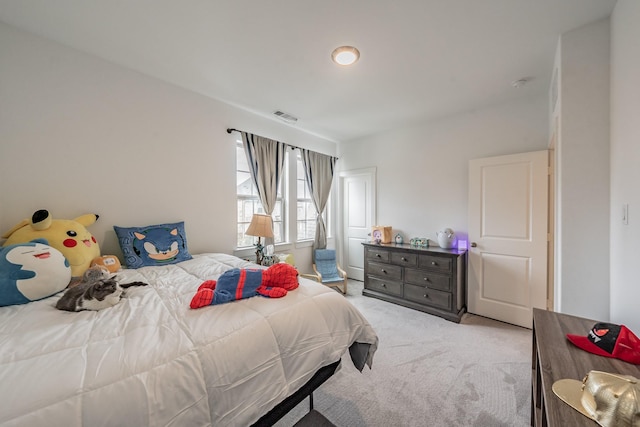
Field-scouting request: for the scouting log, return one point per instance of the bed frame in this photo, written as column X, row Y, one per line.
column 283, row 408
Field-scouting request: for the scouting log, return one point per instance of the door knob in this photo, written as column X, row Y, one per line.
column 474, row 244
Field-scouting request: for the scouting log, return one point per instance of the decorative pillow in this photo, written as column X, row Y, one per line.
column 69, row 236
column 31, row 271
column 153, row 245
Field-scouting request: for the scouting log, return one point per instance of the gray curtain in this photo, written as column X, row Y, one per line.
column 318, row 173
column 266, row 160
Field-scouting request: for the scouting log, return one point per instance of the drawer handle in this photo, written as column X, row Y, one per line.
column 403, row 258
column 434, row 263
column 426, row 279
column 383, row 270
column 378, row 255
column 384, row 285
column 426, row 296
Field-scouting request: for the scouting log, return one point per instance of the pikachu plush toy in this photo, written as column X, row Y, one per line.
column 70, row 237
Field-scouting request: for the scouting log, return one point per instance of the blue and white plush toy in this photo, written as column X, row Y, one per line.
column 31, row 271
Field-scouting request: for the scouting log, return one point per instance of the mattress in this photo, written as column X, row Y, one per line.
column 152, row 361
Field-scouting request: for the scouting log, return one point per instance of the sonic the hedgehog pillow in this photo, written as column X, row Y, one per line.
column 153, row 245
column 31, row 271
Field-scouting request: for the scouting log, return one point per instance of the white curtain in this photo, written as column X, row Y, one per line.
column 318, row 173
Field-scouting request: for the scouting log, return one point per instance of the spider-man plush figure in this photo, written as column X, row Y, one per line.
column 274, row 282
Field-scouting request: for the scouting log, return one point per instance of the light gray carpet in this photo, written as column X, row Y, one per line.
column 429, row 372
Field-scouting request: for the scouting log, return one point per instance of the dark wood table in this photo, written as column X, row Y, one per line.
column 555, row 357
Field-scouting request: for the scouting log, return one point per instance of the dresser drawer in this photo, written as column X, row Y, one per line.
column 405, row 260
column 386, row 286
column 435, row 263
column 385, row 271
column 423, row 295
column 427, row 278
column 377, row 255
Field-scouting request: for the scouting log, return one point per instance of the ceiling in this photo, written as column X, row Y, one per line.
column 420, row 59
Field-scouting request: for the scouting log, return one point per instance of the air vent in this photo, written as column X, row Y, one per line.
column 286, row 117
column 521, row 82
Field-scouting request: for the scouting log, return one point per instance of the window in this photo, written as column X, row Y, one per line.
column 292, row 221
column 306, row 212
column 248, row 202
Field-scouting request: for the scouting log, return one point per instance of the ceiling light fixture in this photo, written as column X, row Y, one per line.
column 345, row 55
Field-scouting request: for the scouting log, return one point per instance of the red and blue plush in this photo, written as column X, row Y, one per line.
column 235, row 284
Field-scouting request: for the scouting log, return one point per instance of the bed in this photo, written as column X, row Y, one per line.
column 152, row 361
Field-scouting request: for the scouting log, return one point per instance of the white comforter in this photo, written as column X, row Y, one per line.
column 152, row 361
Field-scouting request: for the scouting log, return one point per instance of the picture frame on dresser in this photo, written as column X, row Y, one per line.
column 429, row 279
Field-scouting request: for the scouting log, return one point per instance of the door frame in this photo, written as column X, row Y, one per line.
column 552, row 297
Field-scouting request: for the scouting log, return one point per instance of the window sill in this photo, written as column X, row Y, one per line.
column 278, row 247
column 309, row 243
column 304, row 244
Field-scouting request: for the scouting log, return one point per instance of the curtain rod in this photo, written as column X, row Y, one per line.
column 293, row 147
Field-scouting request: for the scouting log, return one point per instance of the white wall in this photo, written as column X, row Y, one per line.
column 625, row 163
column 582, row 181
column 422, row 171
column 79, row 134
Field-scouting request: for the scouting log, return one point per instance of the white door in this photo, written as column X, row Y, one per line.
column 358, row 197
column 507, row 273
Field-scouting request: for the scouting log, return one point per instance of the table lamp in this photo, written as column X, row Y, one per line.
column 261, row 226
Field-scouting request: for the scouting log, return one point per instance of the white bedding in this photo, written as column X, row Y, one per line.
column 152, row 361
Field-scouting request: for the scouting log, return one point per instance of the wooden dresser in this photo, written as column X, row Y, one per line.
column 430, row 279
column 554, row 358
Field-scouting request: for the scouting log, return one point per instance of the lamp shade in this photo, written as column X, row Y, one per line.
column 261, row 225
